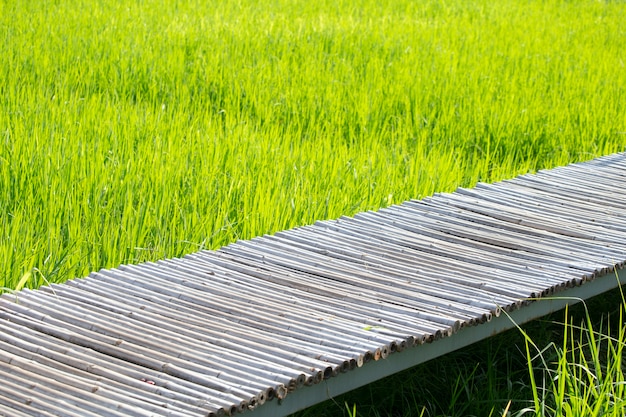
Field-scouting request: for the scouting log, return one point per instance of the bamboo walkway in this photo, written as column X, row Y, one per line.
column 235, row 330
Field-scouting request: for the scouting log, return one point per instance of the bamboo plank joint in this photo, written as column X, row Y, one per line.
column 247, row 327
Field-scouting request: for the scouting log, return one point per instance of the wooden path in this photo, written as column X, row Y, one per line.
column 316, row 310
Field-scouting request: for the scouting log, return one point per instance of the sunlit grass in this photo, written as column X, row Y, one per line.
column 582, row 375
column 141, row 130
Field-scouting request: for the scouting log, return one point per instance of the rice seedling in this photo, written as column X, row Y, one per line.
column 140, row 131
column 582, row 375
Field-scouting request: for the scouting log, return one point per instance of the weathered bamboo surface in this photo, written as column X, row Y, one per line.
column 221, row 332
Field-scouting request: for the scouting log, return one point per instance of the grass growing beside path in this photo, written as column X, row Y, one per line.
column 142, row 130
column 573, row 367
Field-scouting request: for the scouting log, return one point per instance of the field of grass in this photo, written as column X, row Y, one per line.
column 139, row 130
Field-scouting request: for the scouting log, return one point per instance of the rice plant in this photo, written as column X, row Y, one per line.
column 151, row 129
column 582, row 375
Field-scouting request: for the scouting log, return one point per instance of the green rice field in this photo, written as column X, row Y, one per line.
column 140, row 130
column 132, row 131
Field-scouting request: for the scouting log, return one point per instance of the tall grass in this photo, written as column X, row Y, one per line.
column 141, row 130
column 585, row 376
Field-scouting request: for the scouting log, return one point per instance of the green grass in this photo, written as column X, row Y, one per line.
column 142, row 130
column 586, row 376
